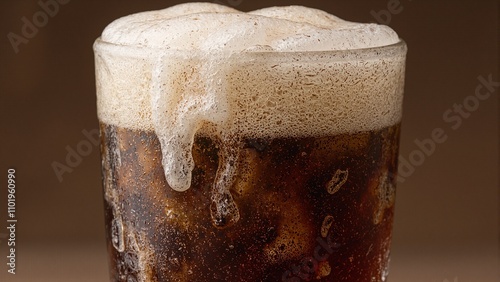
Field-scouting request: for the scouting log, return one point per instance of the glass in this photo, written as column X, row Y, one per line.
column 310, row 185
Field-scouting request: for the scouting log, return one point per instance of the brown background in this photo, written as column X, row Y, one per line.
column 447, row 210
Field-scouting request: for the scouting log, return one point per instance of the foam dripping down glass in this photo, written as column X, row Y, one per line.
column 255, row 146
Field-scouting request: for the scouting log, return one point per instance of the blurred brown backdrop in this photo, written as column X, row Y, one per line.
column 447, row 208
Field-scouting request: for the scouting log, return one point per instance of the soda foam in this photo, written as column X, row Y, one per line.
column 205, row 27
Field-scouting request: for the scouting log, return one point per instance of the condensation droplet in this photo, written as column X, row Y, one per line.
column 338, row 179
column 325, row 227
column 386, row 193
column 324, row 269
column 117, row 234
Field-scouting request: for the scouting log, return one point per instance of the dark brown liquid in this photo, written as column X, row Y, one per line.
column 311, row 209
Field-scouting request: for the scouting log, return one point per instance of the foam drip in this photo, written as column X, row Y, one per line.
column 179, row 111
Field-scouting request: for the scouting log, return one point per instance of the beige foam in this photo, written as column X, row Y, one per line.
column 204, row 26
column 301, row 14
column 174, row 70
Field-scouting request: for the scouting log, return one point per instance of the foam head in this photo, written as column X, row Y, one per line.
column 275, row 72
column 205, row 26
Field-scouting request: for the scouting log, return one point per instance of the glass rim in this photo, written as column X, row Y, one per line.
column 391, row 50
